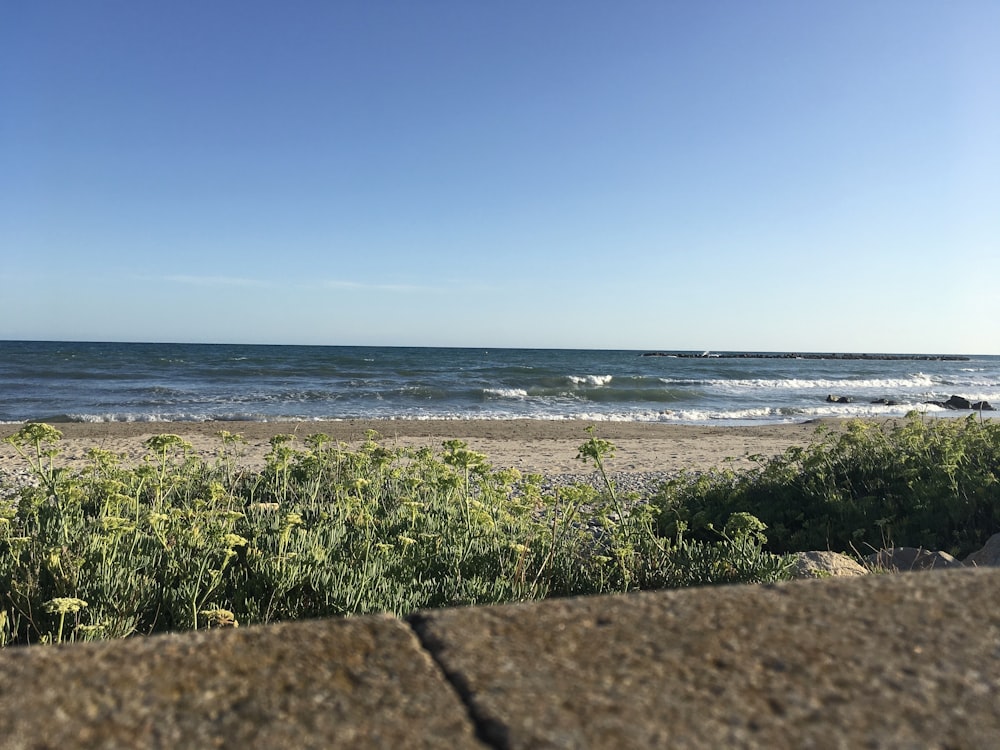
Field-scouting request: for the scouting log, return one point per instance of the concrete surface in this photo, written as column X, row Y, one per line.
column 901, row 661
column 906, row 661
column 352, row 683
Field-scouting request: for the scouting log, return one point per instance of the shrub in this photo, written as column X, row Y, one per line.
column 922, row 483
column 178, row 543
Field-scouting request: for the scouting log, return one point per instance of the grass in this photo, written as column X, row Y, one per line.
column 179, row 543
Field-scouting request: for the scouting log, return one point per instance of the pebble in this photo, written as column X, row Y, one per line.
column 12, row 480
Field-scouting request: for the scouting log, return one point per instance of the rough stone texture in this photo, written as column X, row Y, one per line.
column 325, row 684
column 903, row 661
column 823, row 564
column 988, row 555
column 903, row 559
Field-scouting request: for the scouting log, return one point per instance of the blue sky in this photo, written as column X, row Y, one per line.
column 653, row 175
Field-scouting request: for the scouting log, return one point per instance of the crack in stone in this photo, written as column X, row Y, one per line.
column 489, row 730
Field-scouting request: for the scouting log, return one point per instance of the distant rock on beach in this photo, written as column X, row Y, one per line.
column 824, row 564
column 989, row 555
column 960, row 403
column 827, row 564
column 902, row 559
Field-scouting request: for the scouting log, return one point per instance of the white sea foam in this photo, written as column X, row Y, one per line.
column 802, row 412
column 129, row 417
column 515, row 393
column 174, row 417
column 590, row 379
column 736, row 415
column 916, row 381
column 627, row 416
column 118, row 418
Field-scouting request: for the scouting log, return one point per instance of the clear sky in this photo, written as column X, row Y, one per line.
column 767, row 175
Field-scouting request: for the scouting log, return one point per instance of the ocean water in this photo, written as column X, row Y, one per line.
column 55, row 381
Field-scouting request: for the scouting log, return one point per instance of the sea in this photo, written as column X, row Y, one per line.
column 134, row 382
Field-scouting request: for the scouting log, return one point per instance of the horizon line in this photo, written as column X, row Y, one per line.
column 653, row 351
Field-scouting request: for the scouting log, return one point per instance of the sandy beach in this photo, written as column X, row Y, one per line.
column 544, row 446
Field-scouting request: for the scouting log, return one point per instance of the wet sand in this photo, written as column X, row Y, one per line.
column 547, row 447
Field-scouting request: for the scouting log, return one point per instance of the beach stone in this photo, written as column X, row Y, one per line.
column 872, row 661
column 348, row 683
column 902, row 559
column 962, row 403
column 989, row 555
column 839, row 399
column 824, row 564
column 958, row 402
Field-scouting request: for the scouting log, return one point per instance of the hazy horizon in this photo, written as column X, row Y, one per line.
column 652, row 350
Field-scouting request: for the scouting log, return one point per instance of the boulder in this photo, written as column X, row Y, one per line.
column 902, row 559
column 989, row 555
column 824, row 565
column 958, row 402
column 839, row 399
column 963, row 404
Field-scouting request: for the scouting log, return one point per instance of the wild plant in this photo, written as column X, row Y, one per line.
column 230, row 453
column 175, row 542
column 924, row 483
column 29, row 442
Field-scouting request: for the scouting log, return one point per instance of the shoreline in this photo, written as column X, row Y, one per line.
column 542, row 446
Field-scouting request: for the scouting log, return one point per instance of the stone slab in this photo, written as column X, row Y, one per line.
column 901, row 661
column 350, row 683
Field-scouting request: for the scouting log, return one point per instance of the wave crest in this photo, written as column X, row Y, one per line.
column 596, row 380
column 506, row 393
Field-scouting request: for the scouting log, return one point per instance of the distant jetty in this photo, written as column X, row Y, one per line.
column 790, row 355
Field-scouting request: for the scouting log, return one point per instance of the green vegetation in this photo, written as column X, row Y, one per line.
column 915, row 483
column 179, row 543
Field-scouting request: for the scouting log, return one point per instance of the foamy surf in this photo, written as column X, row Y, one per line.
column 186, row 382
